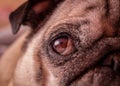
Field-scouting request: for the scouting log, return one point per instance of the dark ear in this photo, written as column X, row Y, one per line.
column 16, row 17
column 32, row 13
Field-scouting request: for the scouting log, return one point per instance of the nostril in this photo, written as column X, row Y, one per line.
column 112, row 60
column 116, row 64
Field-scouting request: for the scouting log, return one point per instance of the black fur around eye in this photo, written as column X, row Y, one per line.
column 63, row 45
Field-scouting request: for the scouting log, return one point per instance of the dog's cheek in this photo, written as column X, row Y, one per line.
column 25, row 71
column 29, row 66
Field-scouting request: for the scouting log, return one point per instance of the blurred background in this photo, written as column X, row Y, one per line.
column 7, row 6
column 6, row 36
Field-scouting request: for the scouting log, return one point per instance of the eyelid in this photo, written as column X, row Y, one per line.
column 55, row 36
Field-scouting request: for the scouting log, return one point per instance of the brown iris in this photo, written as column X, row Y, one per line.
column 63, row 45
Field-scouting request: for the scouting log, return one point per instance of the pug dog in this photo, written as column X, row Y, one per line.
column 71, row 43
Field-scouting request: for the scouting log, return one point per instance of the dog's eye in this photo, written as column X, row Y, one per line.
column 63, row 45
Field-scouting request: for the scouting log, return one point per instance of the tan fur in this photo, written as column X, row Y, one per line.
column 9, row 60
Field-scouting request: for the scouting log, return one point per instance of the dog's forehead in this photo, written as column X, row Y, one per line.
column 77, row 8
column 82, row 8
column 70, row 12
